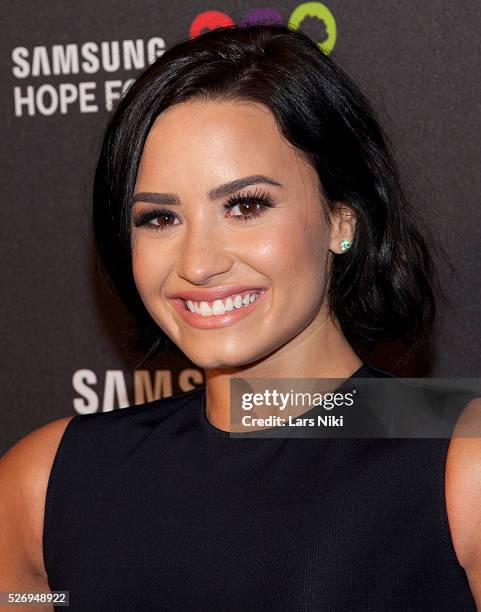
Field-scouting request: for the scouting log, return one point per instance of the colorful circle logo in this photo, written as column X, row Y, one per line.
column 209, row 20
column 313, row 18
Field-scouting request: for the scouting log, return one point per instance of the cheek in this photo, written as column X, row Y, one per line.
column 293, row 253
column 147, row 266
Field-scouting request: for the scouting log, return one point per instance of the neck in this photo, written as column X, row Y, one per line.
column 319, row 351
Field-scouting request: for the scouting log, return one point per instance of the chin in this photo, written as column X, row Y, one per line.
column 215, row 360
column 233, row 354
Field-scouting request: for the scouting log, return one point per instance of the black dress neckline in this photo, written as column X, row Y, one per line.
column 366, row 370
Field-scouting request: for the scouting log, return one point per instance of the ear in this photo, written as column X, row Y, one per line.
column 343, row 226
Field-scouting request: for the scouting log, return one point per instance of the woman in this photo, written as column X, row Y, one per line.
column 247, row 206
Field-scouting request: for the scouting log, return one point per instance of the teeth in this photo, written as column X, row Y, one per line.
column 220, row 307
column 205, row 309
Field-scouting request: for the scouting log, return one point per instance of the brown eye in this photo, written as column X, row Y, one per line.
column 155, row 219
column 247, row 209
column 249, row 205
column 163, row 220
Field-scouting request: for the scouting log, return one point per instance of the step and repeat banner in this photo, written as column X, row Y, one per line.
column 64, row 66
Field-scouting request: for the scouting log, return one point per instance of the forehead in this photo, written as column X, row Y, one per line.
column 221, row 140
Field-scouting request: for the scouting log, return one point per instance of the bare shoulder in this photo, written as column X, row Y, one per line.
column 463, row 493
column 24, row 474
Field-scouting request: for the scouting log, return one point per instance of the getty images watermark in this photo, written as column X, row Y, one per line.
column 355, row 408
column 286, row 402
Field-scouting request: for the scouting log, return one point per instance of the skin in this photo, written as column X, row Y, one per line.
column 192, row 148
column 287, row 249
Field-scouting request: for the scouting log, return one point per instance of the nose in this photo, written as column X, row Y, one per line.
column 203, row 255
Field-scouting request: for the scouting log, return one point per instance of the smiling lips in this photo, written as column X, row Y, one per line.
column 219, row 312
column 217, row 307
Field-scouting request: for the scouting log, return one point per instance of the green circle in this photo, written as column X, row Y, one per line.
column 321, row 12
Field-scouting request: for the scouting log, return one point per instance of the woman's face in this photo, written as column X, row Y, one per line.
column 272, row 242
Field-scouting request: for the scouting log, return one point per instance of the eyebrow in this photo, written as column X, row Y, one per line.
column 214, row 194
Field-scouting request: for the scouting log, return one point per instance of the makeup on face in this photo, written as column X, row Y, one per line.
column 156, row 218
column 219, row 312
column 229, row 249
column 219, row 307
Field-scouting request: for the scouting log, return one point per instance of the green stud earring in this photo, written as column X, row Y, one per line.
column 344, row 244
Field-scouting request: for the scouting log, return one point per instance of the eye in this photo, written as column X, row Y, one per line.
column 250, row 205
column 155, row 218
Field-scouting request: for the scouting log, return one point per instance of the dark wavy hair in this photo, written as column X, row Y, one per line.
column 383, row 287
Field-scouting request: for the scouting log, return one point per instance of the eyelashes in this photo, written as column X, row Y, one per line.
column 254, row 204
column 147, row 216
column 260, row 198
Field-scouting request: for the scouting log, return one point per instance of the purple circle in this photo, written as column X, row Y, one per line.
column 262, row 16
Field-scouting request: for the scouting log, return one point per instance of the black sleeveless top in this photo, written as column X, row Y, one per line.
column 152, row 507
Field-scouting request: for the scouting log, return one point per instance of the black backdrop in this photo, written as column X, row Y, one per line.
column 64, row 63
